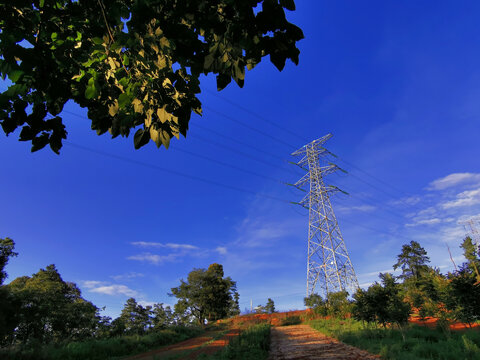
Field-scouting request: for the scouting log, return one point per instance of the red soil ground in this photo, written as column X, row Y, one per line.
column 432, row 322
column 191, row 347
column 206, row 345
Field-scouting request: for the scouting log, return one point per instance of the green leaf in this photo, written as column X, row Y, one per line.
column 209, row 59
column 90, row 92
column 15, row 75
column 124, row 100
column 97, row 41
column 54, row 37
column 42, row 2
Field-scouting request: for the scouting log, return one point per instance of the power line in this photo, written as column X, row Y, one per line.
column 373, row 203
column 246, row 155
column 245, row 125
column 173, row 172
column 273, row 138
column 304, row 139
column 248, row 111
column 245, row 170
column 241, row 153
column 377, row 188
column 373, row 177
column 228, row 165
column 217, row 144
column 207, row 181
column 238, row 141
column 375, row 230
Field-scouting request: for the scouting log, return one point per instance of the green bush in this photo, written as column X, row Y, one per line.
column 291, row 320
column 251, row 344
column 102, row 349
column 420, row 342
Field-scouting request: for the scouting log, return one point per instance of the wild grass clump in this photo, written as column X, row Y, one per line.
column 410, row 343
column 252, row 344
column 291, row 320
column 102, row 349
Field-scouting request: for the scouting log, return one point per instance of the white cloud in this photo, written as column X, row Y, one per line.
column 453, row 234
column 366, row 285
column 167, row 245
column 376, row 273
column 453, row 180
column 114, row 290
column 146, row 303
column 222, row 250
column 465, row 198
column 432, row 221
column 153, row 258
column 349, row 209
column 90, row 284
column 128, row 276
column 261, row 232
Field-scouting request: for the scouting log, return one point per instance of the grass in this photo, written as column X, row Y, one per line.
column 416, row 342
column 218, row 333
column 102, row 349
column 291, row 320
column 252, row 344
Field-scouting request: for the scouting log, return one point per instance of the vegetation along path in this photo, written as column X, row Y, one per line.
column 303, row 342
column 207, row 343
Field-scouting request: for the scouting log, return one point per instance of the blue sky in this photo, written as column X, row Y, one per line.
column 396, row 83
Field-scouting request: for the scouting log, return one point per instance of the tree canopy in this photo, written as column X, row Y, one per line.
column 134, row 64
column 206, row 295
column 472, row 254
column 6, row 252
column 382, row 303
column 412, row 260
column 49, row 309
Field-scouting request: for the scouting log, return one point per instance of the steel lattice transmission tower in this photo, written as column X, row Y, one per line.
column 329, row 268
column 470, row 226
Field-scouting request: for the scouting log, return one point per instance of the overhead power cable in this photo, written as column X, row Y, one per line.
column 207, row 181
column 228, row 165
column 237, row 141
column 249, row 171
column 377, row 188
column 241, row 153
column 217, row 144
column 173, row 172
column 246, row 155
column 245, row 125
column 375, row 230
column 248, row 111
column 373, row 203
column 373, row 177
column 306, row 140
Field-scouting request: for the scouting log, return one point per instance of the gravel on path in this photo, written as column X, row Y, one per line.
column 304, row 343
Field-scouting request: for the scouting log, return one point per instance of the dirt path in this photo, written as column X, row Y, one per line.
column 303, row 342
column 189, row 349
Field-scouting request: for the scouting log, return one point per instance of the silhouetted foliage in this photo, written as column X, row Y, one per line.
column 132, row 64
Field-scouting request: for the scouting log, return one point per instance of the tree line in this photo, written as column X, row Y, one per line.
column 44, row 308
column 419, row 288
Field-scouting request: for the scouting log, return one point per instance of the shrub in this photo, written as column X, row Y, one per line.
column 291, row 320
